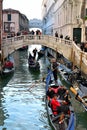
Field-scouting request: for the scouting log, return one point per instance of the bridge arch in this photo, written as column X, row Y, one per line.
column 66, row 47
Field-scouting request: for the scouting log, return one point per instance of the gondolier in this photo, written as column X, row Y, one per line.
column 34, row 52
column 54, row 69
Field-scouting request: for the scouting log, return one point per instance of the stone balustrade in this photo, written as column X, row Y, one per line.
column 66, row 47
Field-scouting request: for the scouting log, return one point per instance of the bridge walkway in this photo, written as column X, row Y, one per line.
column 65, row 47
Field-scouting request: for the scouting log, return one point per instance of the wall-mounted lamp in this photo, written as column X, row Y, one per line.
column 79, row 20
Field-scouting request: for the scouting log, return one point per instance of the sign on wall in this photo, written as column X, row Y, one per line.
column 9, row 27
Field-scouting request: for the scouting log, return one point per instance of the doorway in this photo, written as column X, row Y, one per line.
column 77, row 34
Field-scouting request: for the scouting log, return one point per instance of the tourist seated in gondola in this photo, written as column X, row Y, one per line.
column 50, row 93
column 53, row 89
column 64, row 94
column 61, row 91
column 8, row 64
column 58, row 107
column 66, row 97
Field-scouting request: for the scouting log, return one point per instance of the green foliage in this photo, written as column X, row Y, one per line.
column 85, row 17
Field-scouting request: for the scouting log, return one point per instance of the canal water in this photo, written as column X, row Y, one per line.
column 22, row 104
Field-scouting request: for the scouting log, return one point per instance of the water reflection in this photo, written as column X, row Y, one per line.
column 4, row 79
column 22, row 105
column 21, row 98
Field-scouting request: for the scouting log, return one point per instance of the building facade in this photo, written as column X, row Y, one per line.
column 67, row 18
column 47, row 16
column 14, row 21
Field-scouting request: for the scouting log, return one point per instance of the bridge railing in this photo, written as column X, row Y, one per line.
column 66, row 47
column 79, row 58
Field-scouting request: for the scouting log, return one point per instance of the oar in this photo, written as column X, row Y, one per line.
column 35, row 84
column 31, row 87
column 79, row 98
column 49, row 72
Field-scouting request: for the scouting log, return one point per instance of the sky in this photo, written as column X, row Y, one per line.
column 31, row 8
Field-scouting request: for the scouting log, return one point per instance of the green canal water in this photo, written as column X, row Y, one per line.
column 22, row 105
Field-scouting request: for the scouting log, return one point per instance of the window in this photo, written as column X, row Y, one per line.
column 9, row 17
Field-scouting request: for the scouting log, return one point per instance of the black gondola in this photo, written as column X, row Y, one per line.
column 78, row 82
column 68, row 122
column 41, row 53
column 33, row 64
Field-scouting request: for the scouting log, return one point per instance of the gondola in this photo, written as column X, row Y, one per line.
column 41, row 53
column 8, row 69
column 68, row 122
column 65, row 73
column 33, row 64
column 79, row 95
column 78, row 82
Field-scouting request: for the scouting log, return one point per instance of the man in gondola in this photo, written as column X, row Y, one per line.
column 57, row 107
column 34, row 52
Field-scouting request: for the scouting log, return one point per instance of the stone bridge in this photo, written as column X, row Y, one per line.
column 66, row 47
column 35, row 23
